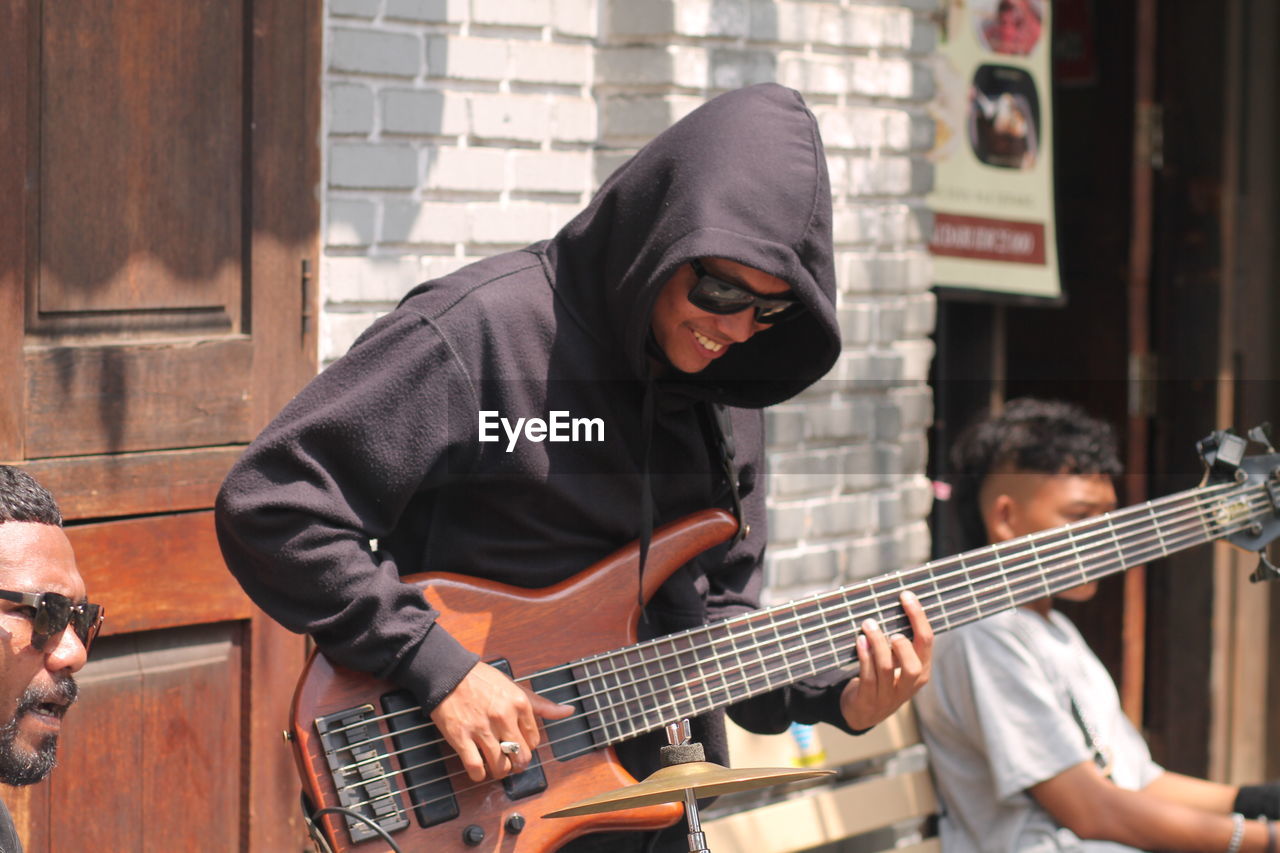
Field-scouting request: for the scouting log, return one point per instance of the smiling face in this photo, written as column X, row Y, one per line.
column 36, row 686
column 692, row 338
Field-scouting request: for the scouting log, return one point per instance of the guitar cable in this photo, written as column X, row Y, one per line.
column 351, row 813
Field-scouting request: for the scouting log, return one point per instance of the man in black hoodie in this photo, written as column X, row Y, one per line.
column 696, row 288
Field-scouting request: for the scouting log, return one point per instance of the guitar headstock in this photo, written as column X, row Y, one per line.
column 1226, row 459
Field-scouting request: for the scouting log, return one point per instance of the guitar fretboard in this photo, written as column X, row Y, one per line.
column 642, row 687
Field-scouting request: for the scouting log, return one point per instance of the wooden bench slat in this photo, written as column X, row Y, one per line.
column 894, row 734
column 824, row 816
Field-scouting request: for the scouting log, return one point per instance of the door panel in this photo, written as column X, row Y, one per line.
column 160, row 176
column 16, row 76
column 98, row 399
column 103, row 485
column 164, row 706
column 141, row 120
column 170, row 701
column 160, row 571
column 142, row 755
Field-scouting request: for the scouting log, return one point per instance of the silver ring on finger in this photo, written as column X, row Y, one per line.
column 510, row 747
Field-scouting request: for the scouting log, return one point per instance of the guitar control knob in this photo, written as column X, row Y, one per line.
column 515, row 823
column 473, row 835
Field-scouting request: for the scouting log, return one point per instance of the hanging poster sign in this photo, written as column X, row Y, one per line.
column 993, row 150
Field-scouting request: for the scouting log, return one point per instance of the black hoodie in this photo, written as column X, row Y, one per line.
column 385, row 444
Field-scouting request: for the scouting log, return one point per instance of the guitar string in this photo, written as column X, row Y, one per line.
column 1062, row 568
column 745, row 681
column 973, row 594
column 452, row 776
column 1204, row 495
column 1062, row 571
column 1097, row 528
column 1074, row 553
column 449, row 777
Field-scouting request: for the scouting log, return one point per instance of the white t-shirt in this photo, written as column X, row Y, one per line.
column 997, row 718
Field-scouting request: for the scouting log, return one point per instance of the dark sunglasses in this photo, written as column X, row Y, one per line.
column 54, row 612
column 718, row 296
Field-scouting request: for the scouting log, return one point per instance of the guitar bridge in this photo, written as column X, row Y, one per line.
column 361, row 773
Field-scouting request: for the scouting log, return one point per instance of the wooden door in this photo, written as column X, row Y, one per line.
column 1147, row 157
column 1187, row 299
column 1243, row 746
column 158, row 183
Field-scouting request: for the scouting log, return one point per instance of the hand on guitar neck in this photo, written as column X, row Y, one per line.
column 891, row 669
column 487, row 708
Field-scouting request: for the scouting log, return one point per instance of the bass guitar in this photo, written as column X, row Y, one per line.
column 374, row 767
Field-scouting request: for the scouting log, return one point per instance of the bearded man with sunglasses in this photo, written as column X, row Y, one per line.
column 41, row 596
column 696, row 288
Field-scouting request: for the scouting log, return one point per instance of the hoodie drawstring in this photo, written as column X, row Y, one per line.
column 723, row 430
column 646, row 487
column 719, row 423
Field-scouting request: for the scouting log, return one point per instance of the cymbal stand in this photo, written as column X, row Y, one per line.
column 681, row 750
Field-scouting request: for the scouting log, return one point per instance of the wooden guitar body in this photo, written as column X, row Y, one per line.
column 532, row 631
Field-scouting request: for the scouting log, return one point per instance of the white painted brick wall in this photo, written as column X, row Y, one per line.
column 474, row 170
column 525, row 13
column 550, row 62
column 460, row 128
column 574, row 17
column 654, row 65
column 456, row 129
column 459, row 58
column 415, row 112
column 566, row 172
column 350, row 109
column 369, row 52
column 426, row 11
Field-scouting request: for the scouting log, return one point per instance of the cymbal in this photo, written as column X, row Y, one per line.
column 668, row 785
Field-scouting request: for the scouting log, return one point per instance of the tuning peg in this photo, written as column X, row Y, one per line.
column 1265, row 570
column 1262, row 435
column 1222, row 452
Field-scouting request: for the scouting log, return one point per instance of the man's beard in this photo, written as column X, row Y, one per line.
column 26, row 767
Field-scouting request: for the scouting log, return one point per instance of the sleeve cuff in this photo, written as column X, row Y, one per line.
column 434, row 668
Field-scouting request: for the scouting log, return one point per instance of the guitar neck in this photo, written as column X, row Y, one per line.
column 642, row 687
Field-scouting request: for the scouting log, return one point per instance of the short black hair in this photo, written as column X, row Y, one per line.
column 23, row 499
column 1041, row 436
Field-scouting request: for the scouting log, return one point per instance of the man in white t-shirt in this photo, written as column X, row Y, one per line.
column 1029, row 747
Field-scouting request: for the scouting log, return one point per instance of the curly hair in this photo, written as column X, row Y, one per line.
column 23, row 499
column 1041, row 436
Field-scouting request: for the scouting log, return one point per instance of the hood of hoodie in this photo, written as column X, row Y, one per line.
column 742, row 177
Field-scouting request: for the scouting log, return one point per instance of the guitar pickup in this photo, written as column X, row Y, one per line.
column 532, row 780
column 418, row 743
column 418, row 746
column 361, row 774
column 578, row 733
